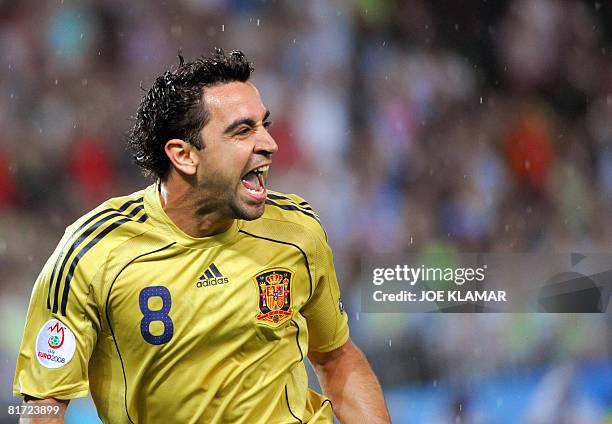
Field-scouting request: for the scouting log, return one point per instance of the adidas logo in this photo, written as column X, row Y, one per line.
column 211, row 277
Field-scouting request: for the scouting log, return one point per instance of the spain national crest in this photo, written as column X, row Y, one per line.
column 274, row 296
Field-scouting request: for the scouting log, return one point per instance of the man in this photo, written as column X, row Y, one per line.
column 196, row 299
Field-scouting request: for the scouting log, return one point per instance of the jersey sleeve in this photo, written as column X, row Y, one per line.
column 327, row 321
column 59, row 334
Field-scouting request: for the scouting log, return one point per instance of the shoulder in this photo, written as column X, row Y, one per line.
column 87, row 243
column 292, row 208
column 113, row 222
column 289, row 218
column 130, row 207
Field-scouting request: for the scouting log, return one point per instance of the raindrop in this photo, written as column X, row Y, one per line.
column 480, row 99
column 55, row 82
column 82, row 36
column 389, row 342
column 222, row 28
column 527, row 164
column 84, row 82
column 435, row 383
column 384, row 43
column 294, row 41
column 176, row 30
column 12, row 95
column 410, row 239
column 357, row 316
column 257, row 22
column 456, row 27
column 507, row 228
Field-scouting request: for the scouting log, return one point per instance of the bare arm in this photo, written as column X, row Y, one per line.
column 49, row 419
column 348, row 380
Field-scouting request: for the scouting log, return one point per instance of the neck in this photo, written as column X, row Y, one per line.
column 186, row 209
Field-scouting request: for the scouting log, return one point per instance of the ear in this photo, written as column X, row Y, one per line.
column 182, row 155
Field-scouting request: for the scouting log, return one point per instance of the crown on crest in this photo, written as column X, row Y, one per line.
column 274, row 278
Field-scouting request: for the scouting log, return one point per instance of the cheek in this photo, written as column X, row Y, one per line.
column 224, row 166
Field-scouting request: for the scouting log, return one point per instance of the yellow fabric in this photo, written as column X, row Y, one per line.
column 158, row 340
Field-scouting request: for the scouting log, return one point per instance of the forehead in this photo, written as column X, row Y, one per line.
column 230, row 101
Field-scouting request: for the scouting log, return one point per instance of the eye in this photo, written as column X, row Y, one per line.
column 243, row 131
column 267, row 124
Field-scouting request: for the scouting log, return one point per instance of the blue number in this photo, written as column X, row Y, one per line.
column 150, row 316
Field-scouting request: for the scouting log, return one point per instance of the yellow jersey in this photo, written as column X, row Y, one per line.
column 164, row 327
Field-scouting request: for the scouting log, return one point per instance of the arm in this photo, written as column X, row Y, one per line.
column 50, row 419
column 348, row 380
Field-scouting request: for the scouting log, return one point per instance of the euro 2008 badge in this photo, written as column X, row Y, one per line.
column 55, row 344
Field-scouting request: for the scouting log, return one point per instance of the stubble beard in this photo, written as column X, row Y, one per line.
column 230, row 202
column 247, row 213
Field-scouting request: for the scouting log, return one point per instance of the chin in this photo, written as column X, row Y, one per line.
column 248, row 212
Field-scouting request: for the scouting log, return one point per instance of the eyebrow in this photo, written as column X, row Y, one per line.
column 244, row 121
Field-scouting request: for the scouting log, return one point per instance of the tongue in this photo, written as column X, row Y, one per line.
column 261, row 180
column 253, row 181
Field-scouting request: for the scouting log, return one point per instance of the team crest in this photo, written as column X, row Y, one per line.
column 274, row 296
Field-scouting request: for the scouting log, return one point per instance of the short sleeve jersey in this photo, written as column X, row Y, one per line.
column 164, row 327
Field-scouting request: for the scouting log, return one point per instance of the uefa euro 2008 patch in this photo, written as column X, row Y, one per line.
column 274, row 296
column 55, row 344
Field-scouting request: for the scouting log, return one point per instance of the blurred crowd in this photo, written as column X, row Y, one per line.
column 410, row 126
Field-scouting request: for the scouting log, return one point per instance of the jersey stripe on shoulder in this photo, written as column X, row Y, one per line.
column 74, row 234
column 73, row 243
column 285, row 203
column 305, row 205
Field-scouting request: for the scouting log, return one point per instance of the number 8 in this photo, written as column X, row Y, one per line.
column 150, row 316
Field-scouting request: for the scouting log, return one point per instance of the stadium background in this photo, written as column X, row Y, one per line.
column 409, row 125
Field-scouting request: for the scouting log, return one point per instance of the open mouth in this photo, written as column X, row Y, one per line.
column 254, row 182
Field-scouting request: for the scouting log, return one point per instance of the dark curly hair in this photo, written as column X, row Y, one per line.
column 173, row 107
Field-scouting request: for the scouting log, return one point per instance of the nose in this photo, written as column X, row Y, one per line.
column 265, row 144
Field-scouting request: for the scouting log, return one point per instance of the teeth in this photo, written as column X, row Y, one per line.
column 260, row 191
column 262, row 168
